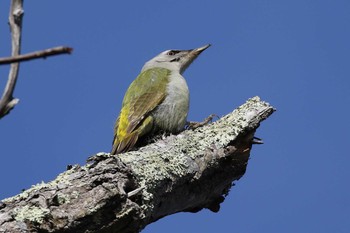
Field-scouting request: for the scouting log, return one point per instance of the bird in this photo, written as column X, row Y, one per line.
column 156, row 101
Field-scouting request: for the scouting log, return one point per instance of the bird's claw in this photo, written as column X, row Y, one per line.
column 192, row 125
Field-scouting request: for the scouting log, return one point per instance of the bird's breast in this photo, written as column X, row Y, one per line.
column 171, row 114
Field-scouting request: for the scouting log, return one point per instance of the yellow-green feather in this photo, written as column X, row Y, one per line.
column 144, row 94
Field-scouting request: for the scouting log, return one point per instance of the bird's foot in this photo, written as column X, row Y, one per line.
column 194, row 125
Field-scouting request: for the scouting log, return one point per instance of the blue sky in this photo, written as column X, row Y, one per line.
column 293, row 54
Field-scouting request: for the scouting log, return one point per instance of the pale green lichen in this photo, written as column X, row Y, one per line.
column 75, row 195
column 63, row 199
column 25, row 194
column 61, row 179
column 31, row 213
column 158, row 162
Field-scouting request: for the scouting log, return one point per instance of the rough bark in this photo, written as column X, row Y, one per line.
column 124, row 193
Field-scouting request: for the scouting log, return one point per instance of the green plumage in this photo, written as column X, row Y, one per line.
column 144, row 94
column 157, row 100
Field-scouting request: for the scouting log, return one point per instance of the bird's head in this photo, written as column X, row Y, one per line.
column 175, row 60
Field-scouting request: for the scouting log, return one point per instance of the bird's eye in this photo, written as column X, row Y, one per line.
column 173, row 52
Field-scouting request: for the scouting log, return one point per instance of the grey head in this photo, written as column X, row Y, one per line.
column 175, row 60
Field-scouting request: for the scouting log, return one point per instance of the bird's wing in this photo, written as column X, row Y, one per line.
column 141, row 106
column 144, row 94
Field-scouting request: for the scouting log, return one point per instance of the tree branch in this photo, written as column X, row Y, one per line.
column 35, row 55
column 7, row 102
column 123, row 193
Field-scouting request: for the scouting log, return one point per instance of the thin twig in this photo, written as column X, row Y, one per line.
column 35, row 55
column 7, row 102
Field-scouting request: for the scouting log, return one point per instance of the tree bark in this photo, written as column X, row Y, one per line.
column 123, row 193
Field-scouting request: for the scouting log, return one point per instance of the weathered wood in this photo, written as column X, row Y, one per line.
column 124, row 193
column 7, row 102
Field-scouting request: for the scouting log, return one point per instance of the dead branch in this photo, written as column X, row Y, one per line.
column 35, row 55
column 7, row 102
column 126, row 192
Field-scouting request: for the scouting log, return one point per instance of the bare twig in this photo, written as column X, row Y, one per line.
column 35, row 55
column 7, row 102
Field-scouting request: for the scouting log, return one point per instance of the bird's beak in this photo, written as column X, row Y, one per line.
column 191, row 55
column 197, row 51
